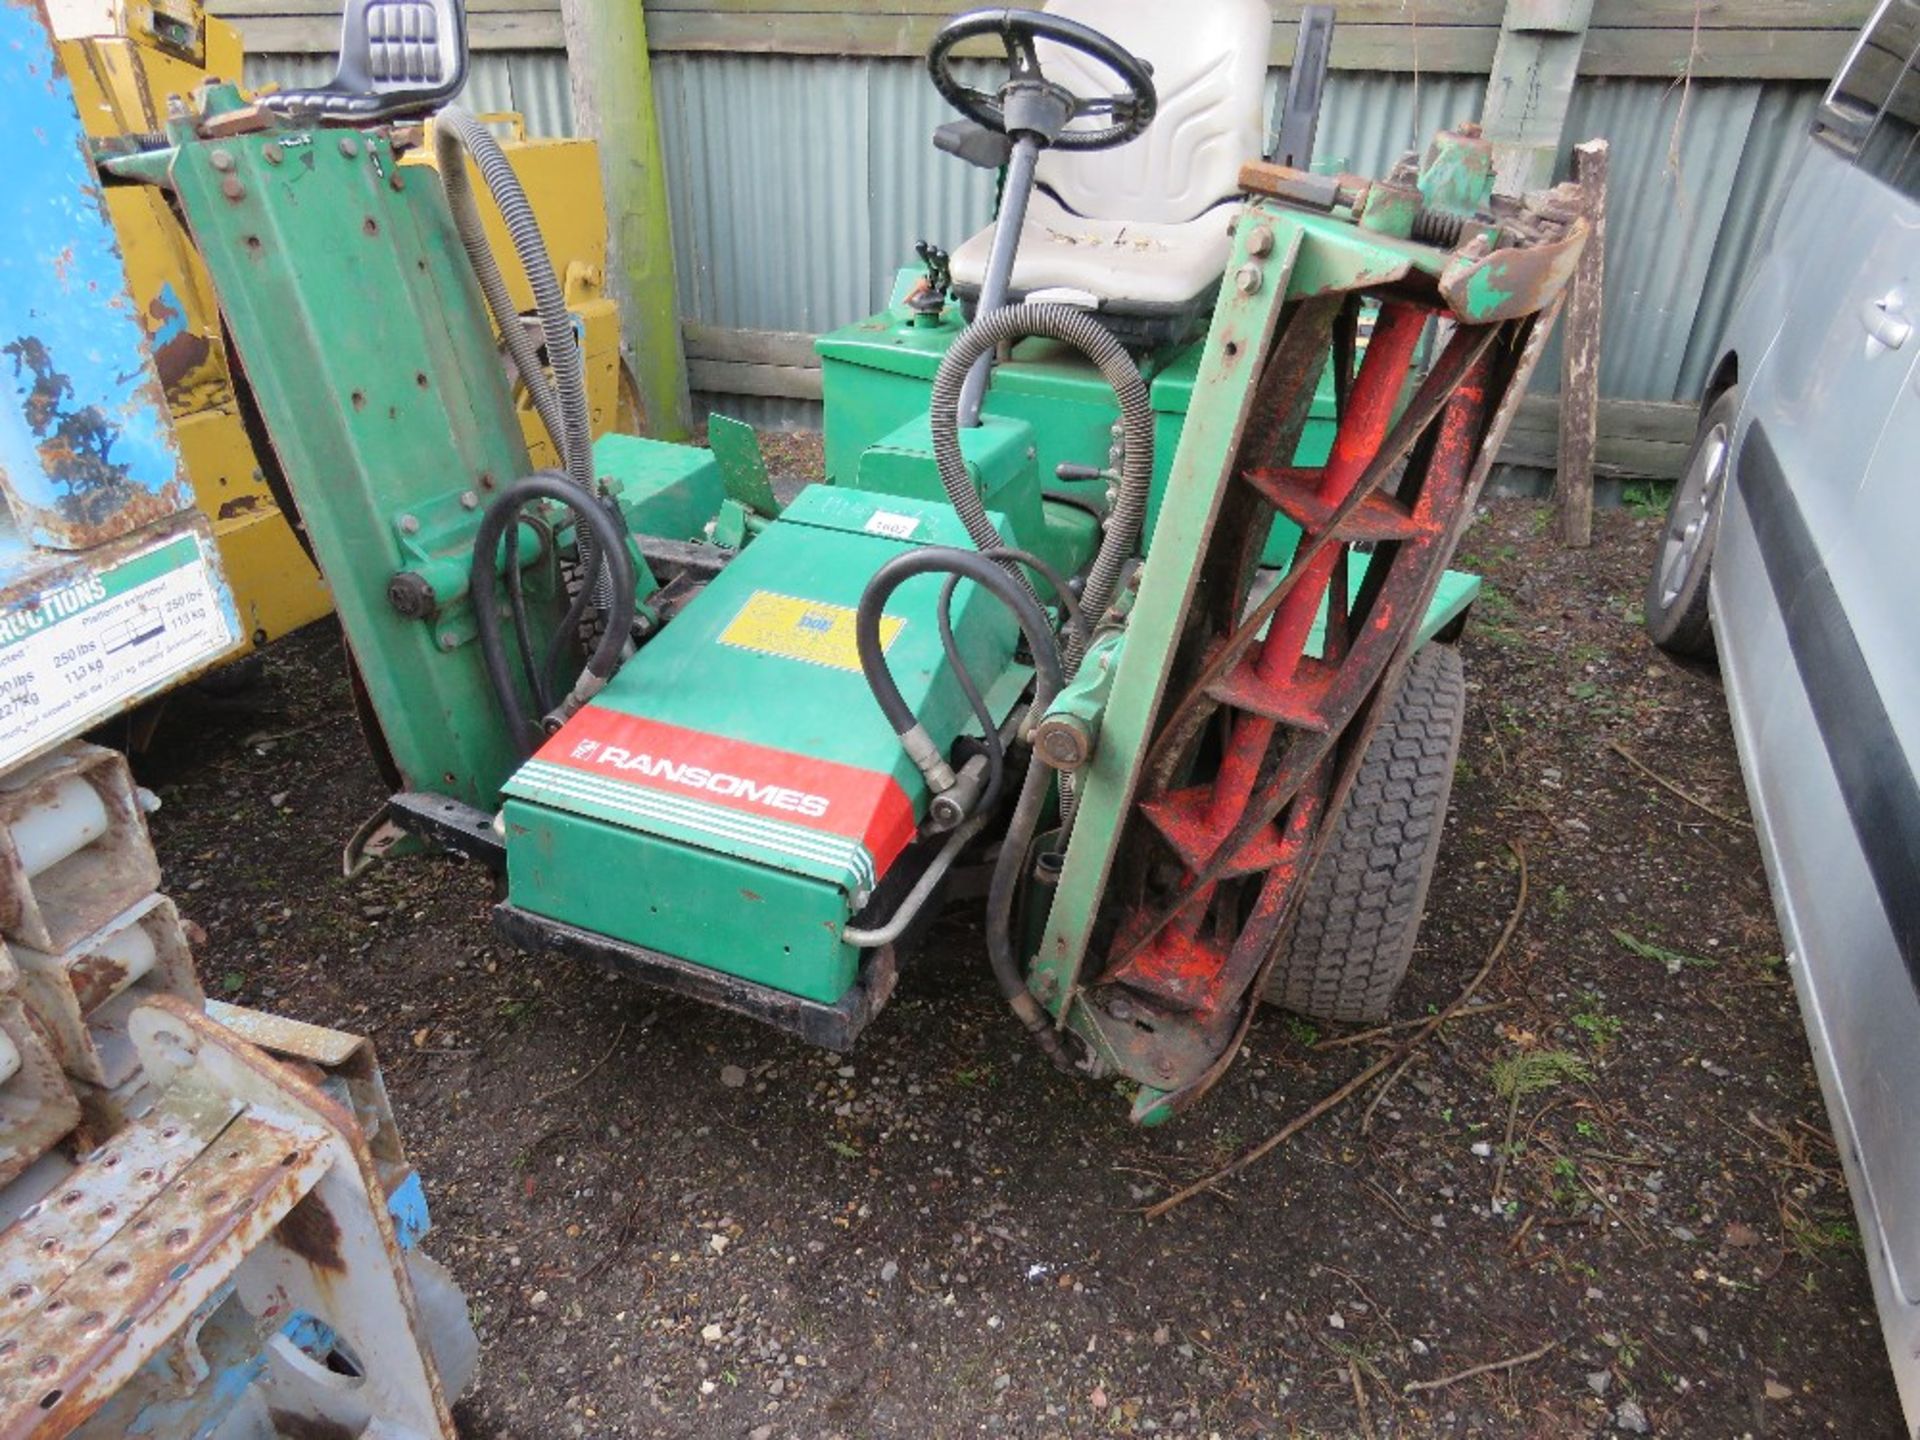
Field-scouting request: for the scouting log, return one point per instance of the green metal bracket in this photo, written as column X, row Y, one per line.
column 743, row 468
column 362, row 330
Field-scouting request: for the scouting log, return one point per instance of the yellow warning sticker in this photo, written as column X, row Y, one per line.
column 805, row 630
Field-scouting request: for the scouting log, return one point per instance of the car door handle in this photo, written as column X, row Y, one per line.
column 1885, row 320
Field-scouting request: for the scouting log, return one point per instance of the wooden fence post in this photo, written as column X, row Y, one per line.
column 612, row 82
column 1580, row 359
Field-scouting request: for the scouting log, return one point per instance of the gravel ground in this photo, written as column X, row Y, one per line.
column 671, row 1222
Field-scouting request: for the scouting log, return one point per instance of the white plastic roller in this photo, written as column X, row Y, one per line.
column 74, row 818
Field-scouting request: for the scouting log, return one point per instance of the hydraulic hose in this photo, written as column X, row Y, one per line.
column 1001, row 892
column 1011, row 589
column 562, row 405
column 595, row 519
column 1086, row 334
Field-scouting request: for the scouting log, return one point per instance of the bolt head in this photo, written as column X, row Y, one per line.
column 349, row 146
column 449, row 640
column 1247, row 279
column 409, row 524
column 221, row 160
column 233, row 189
column 273, row 154
column 1260, row 242
column 469, row 500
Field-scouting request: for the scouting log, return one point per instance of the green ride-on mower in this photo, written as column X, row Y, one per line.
column 1137, row 516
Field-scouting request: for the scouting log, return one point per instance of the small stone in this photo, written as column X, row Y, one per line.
column 889, row 1272
column 711, row 1334
column 760, row 1432
column 1417, row 1346
column 1482, row 1149
column 707, row 1387
column 1001, row 1382
column 1098, row 1399
column 1777, row 1392
column 718, row 1244
column 732, row 1076
column 1628, row 1416
column 537, row 1299
column 1599, row 1380
column 1162, row 1335
column 1337, row 1320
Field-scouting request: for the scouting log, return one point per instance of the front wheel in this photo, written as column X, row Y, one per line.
column 1353, row 938
column 1676, row 602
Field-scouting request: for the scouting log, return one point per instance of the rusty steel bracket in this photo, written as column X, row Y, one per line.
column 226, row 1259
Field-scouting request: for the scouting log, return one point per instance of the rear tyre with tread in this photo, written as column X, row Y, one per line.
column 1360, row 914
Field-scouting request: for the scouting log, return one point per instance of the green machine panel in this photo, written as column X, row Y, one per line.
column 737, row 775
column 877, row 372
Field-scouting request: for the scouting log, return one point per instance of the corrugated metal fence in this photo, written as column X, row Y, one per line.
column 799, row 183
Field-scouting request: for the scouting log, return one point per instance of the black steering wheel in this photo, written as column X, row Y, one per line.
column 1130, row 110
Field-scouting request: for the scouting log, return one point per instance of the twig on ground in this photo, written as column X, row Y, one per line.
column 1367, row 1076
column 1360, row 1399
column 1380, row 1032
column 1673, row 789
column 1512, row 1362
column 1366, row 1116
column 1395, row 1206
column 1506, row 1149
column 588, row 1073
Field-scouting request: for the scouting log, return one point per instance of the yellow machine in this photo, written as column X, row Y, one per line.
column 562, row 181
column 124, row 59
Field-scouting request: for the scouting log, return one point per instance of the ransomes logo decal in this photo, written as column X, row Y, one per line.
column 744, row 798
column 700, row 777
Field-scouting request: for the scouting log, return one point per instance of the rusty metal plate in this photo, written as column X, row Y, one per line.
column 72, row 1352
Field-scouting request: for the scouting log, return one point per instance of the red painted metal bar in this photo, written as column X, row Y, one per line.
column 1376, row 390
column 1370, row 406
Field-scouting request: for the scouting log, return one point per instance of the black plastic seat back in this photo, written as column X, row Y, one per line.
column 397, row 57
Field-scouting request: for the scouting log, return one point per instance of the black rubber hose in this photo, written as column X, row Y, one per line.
column 1014, row 593
column 594, row 518
column 1002, row 890
column 522, row 630
column 977, row 702
column 1069, row 606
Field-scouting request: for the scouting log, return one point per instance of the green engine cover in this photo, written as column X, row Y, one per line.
column 734, row 797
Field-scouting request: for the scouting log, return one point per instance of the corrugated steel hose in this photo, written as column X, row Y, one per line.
column 1128, row 517
column 1085, row 333
column 562, row 405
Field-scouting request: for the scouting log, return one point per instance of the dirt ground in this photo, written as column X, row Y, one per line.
column 671, row 1222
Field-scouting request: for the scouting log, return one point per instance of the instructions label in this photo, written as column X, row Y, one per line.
column 72, row 655
column 806, row 630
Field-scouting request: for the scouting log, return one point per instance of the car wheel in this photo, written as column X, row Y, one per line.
column 1677, row 590
column 1353, row 938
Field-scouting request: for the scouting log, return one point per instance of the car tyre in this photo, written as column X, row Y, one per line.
column 1676, row 603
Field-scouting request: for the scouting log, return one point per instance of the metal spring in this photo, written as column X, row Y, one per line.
column 1439, row 227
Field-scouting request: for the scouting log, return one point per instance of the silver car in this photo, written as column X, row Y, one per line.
column 1789, row 550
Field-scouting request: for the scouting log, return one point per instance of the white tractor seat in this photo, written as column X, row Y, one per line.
column 1141, row 231
column 1131, row 267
